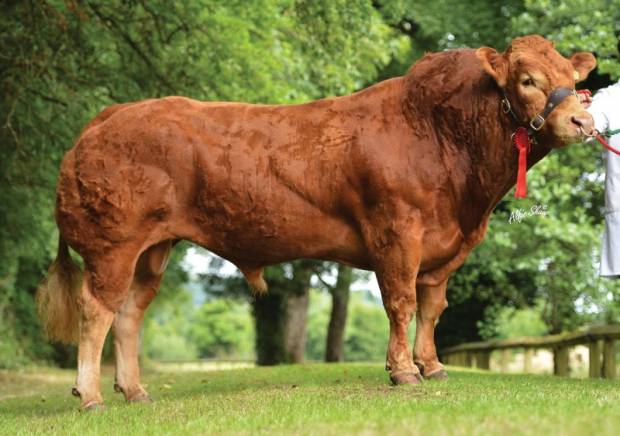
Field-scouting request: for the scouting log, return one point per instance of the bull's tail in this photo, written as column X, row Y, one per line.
column 57, row 297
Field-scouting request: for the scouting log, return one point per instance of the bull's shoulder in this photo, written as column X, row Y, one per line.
column 107, row 113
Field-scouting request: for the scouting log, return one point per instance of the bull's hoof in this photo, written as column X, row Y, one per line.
column 142, row 397
column 137, row 396
column 440, row 374
column 93, row 406
column 406, row 378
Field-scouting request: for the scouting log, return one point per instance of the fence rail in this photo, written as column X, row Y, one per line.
column 601, row 341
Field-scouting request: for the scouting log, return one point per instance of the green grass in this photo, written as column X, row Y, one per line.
column 315, row 399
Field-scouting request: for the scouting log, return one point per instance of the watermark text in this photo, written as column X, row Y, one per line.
column 520, row 214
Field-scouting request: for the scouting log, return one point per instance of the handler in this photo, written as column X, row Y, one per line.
column 605, row 109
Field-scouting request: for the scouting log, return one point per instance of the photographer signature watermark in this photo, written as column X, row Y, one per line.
column 520, row 214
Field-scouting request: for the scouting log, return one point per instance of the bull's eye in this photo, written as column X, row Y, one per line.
column 527, row 82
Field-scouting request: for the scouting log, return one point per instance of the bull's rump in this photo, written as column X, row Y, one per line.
column 241, row 180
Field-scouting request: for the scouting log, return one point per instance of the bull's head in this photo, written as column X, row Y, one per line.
column 528, row 72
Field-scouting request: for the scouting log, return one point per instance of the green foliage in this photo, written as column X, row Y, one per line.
column 318, row 318
column 167, row 329
column 448, row 24
column 169, row 345
column 576, row 25
column 167, row 322
column 176, row 328
column 223, row 329
column 509, row 322
column 367, row 330
column 366, row 333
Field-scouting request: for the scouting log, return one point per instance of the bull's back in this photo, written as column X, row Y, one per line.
column 239, row 179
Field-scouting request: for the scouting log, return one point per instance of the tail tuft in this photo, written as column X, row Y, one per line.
column 57, row 297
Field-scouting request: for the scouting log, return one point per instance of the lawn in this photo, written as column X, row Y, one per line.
column 315, row 399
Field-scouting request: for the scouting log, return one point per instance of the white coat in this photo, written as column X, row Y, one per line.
column 605, row 110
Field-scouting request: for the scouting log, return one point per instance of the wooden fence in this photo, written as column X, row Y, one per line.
column 600, row 340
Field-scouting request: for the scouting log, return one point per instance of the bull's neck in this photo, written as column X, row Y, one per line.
column 493, row 159
column 475, row 134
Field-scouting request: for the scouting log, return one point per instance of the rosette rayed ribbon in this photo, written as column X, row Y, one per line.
column 521, row 140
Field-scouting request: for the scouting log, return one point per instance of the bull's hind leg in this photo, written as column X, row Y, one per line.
column 149, row 271
column 105, row 283
column 431, row 303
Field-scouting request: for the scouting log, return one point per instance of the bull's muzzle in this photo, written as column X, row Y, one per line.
column 583, row 120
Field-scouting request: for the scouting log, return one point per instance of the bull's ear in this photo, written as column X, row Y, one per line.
column 583, row 62
column 494, row 63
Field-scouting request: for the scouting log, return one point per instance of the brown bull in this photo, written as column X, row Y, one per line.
column 399, row 178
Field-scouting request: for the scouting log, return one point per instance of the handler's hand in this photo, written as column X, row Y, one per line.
column 585, row 98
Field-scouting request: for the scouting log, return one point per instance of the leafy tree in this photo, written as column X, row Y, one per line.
column 334, row 346
column 318, row 320
column 576, row 25
column 447, row 24
column 223, row 328
column 343, row 278
column 367, row 330
column 510, row 322
column 279, row 315
column 166, row 331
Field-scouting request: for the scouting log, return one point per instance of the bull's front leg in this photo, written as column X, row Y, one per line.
column 400, row 305
column 431, row 303
column 396, row 275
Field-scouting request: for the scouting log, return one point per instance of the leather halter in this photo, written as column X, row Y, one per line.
column 557, row 96
column 523, row 137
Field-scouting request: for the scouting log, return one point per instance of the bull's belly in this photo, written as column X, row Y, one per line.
column 264, row 234
column 247, row 207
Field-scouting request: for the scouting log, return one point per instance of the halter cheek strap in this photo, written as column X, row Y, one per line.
column 555, row 98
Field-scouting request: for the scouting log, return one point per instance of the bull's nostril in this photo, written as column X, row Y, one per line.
column 583, row 122
column 577, row 121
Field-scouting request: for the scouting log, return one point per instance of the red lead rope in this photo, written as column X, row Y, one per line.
column 522, row 141
column 597, row 134
column 604, row 143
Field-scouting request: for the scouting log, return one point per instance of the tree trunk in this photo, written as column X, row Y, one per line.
column 297, row 312
column 295, row 326
column 334, row 348
column 269, row 322
column 281, row 317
